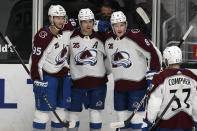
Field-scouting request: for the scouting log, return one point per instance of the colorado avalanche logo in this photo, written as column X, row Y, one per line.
column 62, row 56
column 121, row 58
column 43, row 34
column 86, row 57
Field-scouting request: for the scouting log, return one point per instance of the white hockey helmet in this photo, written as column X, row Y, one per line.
column 56, row 10
column 85, row 14
column 117, row 17
column 173, row 54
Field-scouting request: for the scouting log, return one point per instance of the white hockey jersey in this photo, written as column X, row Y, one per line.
column 87, row 60
column 183, row 110
column 128, row 56
column 50, row 52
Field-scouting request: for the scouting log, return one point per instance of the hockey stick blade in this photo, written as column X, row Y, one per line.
column 72, row 124
column 117, row 124
column 186, row 35
column 143, row 15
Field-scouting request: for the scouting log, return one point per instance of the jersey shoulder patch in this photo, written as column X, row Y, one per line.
column 73, row 22
column 70, row 25
column 43, row 33
column 135, row 31
column 43, row 36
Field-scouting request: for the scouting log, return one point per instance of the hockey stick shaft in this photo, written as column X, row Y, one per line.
column 162, row 114
column 118, row 125
column 7, row 41
column 137, row 108
column 12, row 47
column 185, row 36
column 166, row 108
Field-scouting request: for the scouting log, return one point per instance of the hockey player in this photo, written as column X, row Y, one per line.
column 129, row 52
column 87, row 72
column 49, row 68
column 182, row 113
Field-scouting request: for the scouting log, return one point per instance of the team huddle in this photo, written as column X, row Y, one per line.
column 70, row 62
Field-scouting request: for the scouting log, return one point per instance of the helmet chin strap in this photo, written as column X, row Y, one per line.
column 166, row 63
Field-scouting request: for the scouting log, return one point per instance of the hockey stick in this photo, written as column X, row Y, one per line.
column 118, row 125
column 10, row 45
column 185, row 36
column 143, row 15
column 146, row 25
column 166, row 108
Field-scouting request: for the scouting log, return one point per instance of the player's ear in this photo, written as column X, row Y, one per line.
column 166, row 62
column 50, row 19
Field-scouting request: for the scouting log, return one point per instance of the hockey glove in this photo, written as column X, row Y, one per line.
column 146, row 125
column 149, row 76
column 40, row 87
column 102, row 26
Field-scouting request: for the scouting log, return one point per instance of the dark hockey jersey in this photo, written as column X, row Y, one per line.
column 183, row 110
column 50, row 52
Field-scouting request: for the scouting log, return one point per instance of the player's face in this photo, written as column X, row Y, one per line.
column 119, row 28
column 59, row 21
column 87, row 26
column 106, row 10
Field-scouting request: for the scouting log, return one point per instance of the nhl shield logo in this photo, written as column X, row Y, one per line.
column 99, row 103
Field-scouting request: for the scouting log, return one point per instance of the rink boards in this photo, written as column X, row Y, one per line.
column 17, row 101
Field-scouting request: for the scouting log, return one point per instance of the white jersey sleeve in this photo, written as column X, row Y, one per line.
column 194, row 105
column 154, row 103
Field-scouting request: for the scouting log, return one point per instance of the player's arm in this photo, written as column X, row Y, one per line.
column 155, row 100
column 194, row 105
column 107, row 65
column 153, row 103
column 150, row 52
column 39, row 53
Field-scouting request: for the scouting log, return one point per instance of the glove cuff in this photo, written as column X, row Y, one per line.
column 40, row 83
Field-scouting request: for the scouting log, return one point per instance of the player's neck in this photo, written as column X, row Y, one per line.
column 53, row 30
column 176, row 66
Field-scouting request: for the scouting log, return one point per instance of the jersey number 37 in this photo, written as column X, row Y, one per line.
column 177, row 100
